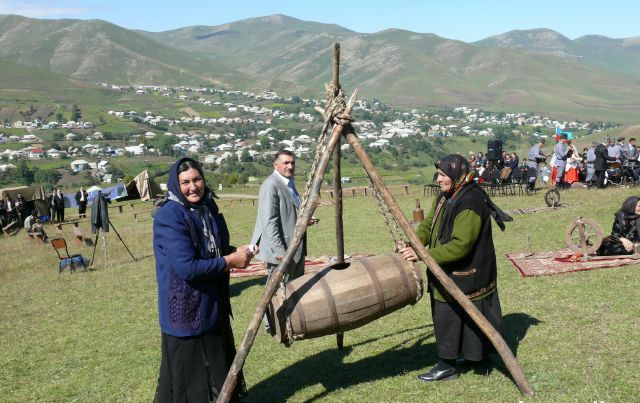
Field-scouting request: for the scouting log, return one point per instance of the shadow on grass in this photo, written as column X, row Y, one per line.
column 515, row 327
column 237, row 288
column 329, row 369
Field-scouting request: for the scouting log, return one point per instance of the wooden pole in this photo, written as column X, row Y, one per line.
column 306, row 211
column 336, row 66
column 337, row 186
column 337, row 182
column 496, row 339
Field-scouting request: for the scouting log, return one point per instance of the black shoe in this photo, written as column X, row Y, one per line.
column 434, row 374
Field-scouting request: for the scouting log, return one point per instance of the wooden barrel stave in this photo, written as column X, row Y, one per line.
column 331, row 301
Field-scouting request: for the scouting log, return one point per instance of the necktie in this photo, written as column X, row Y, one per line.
column 296, row 197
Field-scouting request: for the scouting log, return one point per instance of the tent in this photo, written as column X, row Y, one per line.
column 34, row 195
column 35, row 192
column 93, row 189
column 143, row 187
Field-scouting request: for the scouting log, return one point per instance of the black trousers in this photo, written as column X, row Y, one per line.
column 600, row 179
column 82, row 208
column 60, row 214
column 193, row 369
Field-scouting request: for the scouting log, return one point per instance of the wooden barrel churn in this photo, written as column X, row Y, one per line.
column 330, row 301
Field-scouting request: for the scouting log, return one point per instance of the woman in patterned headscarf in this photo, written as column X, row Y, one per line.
column 458, row 233
column 193, row 259
column 625, row 232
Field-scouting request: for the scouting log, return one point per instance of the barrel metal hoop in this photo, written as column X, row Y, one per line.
column 376, row 286
column 403, row 274
column 326, row 290
column 290, row 290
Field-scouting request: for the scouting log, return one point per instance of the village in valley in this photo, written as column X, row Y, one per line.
column 248, row 127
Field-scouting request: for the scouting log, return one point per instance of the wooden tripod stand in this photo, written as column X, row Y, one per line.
column 342, row 126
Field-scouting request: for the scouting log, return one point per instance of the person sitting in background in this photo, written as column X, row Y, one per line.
column 515, row 161
column 481, row 159
column 21, row 205
column 34, row 227
column 625, row 232
column 10, row 207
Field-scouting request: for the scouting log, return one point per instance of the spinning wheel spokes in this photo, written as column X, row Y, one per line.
column 583, row 235
column 552, row 197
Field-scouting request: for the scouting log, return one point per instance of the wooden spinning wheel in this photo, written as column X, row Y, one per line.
column 552, row 197
column 584, row 236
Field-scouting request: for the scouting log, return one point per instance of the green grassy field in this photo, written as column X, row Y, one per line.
column 93, row 336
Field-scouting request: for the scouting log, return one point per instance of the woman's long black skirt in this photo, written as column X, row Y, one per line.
column 193, row 369
column 456, row 333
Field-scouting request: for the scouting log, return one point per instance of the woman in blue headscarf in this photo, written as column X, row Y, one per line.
column 193, row 259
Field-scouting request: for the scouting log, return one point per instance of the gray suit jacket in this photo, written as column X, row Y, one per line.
column 277, row 215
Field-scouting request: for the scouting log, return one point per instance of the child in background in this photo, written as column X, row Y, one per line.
column 544, row 174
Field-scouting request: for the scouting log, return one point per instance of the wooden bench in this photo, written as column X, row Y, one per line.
column 34, row 238
column 78, row 238
column 6, row 228
column 138, row 213
column 121, row 207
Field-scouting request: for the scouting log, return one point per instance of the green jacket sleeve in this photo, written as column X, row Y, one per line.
column 466, row 230
column 424, row 228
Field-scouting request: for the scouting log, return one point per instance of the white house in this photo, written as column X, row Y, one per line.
column 53, row 153
column 30, row 138
column 103, row 165
column 79, row 165
column 135, row 150
column 36, row 154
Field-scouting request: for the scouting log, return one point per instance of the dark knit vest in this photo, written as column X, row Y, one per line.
column 476, row 273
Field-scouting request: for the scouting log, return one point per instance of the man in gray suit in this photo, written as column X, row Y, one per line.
column 278, row 205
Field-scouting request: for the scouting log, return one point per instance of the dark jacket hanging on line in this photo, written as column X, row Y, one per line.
column 99, row 214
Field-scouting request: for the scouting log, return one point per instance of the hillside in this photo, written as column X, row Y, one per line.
column 608, row 54
column 98, row 51
column 590, row 78
column 424, row 69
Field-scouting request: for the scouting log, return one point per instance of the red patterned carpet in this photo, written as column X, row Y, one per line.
column 560, row 262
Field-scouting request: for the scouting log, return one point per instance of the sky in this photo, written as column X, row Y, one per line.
column 464, row 20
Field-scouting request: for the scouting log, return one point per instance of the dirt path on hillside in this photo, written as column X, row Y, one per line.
column 189, row 111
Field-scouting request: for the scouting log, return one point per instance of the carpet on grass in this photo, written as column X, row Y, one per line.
column 559, row 262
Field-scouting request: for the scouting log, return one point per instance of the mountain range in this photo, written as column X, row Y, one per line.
column 591, row 77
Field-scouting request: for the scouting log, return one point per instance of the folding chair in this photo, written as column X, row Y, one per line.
column 67, row 259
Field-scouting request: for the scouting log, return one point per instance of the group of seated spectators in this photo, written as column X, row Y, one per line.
column 16, row 212
column 12, row 210
column 623, row 165
column 507, row 168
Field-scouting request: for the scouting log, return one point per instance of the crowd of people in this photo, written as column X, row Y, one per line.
column 12, row 210
column 610, row 161
column 25, row 214
column 194, row 256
